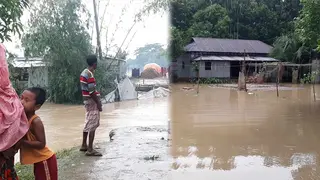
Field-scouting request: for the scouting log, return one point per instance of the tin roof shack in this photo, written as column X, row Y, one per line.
column 220, row 58
column 30, row 72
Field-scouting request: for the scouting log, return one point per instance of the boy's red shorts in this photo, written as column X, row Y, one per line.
column 46, row 170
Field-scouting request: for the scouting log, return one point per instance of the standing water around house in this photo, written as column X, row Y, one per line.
column 220, row 134
column 225, row 134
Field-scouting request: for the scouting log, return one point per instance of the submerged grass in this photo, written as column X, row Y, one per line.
column 65, row 158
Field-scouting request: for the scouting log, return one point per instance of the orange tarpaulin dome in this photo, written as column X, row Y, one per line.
column 152, row 66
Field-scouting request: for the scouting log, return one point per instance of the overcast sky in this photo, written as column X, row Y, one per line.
column 154, row 28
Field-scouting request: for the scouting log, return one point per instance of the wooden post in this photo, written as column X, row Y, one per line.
column 314, row 91
column 198, row 75
column 196, row 69
column 244, row 71
column 314, row 75
column 278, row 77
column 242, row 85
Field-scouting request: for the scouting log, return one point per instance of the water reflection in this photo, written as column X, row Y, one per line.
column 226, row 134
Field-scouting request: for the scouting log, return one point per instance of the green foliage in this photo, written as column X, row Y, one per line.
column 178, row 40
column 10, row 14
column 307, row 24
column 105, row 80
column 59, row 36
column 150, row 53
column 209, row 81
column 24, row 172
column 263, row 20
column 212, row 21
column 297, row 46
column 289, row 48
column 306, row 79
column 309, row 78
column 212, row 81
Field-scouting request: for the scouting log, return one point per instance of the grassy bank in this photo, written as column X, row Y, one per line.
column 66, row 158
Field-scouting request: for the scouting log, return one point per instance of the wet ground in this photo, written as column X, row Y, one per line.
column 220, row 134
column 136, row 153
column 158, row 81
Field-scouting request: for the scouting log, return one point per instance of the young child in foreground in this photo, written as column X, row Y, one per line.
column 34, row 149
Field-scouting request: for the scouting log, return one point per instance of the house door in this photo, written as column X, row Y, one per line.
column 234, row 69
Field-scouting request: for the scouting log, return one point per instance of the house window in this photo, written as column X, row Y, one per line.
column 183, row 65
column 207, row 65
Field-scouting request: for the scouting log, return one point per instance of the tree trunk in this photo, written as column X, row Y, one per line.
column 97, row 29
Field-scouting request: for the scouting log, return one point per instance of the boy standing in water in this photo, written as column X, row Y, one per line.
column 92, row 105
column 34, row 149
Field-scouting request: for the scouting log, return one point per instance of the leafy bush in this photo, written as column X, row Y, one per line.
column 58, row 34
column 309, row 78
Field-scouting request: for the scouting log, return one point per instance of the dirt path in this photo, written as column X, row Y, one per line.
column 136, row 153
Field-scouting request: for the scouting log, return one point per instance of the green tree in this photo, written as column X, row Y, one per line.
column 150, row 53
column 10, row 14
column 212, row 21
column 307, row 24
column 59, row 36
column 263, row 20
column 289, row 48
column 182, row 12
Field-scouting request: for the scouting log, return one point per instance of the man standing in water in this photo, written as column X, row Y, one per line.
column 92, row 105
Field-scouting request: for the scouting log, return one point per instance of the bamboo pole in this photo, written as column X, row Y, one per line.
column 244, row 71
column 198, row 74
column 314, row 91
column 97, row 29
column 277, row 82
column 314, row 76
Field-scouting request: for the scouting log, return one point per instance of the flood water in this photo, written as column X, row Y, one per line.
column 64, row 123
column 226, row 134
column 220, row 134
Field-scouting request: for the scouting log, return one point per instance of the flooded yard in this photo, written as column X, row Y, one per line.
column 220, row 134
column 64, row 123
column 225, row 134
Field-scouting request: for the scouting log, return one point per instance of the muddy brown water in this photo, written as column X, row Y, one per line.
column 226, row 134
column 219, row 134
column 64, row 123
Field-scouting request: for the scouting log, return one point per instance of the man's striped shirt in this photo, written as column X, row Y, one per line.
column 88, row 84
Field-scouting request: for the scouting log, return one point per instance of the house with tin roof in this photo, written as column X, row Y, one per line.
column 220, row 58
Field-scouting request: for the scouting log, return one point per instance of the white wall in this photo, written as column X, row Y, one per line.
column 187, row 71
column 219, row 69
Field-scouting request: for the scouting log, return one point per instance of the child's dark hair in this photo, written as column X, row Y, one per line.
column 92, row 59
column 40, row 95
